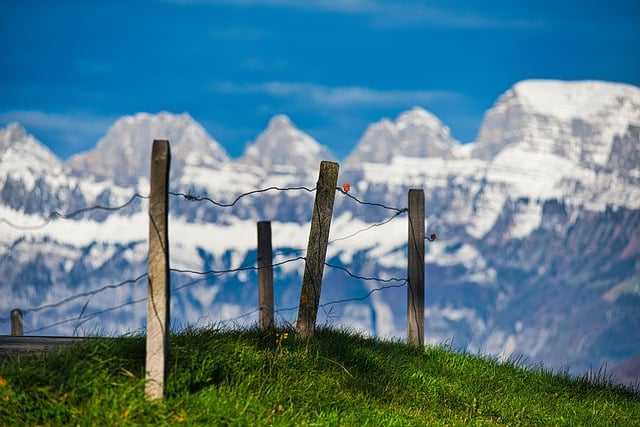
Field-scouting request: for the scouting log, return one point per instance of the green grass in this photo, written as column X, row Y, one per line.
column 253, row 378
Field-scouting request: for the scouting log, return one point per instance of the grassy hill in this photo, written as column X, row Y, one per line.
column 253, row 378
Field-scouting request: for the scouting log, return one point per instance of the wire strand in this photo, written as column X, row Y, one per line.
column 70, row 215
column 381, row 205
column 76, row 296
column 193, row 198
column 369, row 227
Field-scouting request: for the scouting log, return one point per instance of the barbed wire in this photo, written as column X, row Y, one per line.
column 187, row 196
column 381, row 205
column 193, row 198
column 70, row 215
column 369, row 227
column 231, row 270
column 326, row 304
column 362, row 298
column 287, row 251
column 215, row 272
column 193, row 282
column 75, row 297
column 370, row 279
column 90, row 316
column 56, row 214
column 187, row 271
column 129, row 281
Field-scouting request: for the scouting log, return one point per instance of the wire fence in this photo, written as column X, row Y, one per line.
column 386, row 283
column 70, row 215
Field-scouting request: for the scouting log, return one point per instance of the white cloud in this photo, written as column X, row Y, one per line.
column 343, row 6
column 339, row 96
column 414, row 13
column 393, row 13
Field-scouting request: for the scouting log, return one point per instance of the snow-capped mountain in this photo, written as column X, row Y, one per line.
column 123, row 155
column 415, row 133
column 574, row 120
column 284, row 148
column 22, row 154
column 538, row 226
column 33, row 179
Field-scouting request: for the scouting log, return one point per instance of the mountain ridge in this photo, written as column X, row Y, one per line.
column 118, row 157
column 414, row 133
column 560, row 111
column 284, row 147
column 522, row 235
column 625, row 96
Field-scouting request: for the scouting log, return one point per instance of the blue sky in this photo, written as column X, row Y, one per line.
column 69, row 69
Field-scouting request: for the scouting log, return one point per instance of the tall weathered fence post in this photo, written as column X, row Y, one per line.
column 415, row 288
column 317, row 249
column 158, row 288
column 16, row 323
column 265, row 275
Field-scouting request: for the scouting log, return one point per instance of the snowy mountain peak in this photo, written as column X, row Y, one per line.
column 280, row 121
column 418, row 117
column 574, row 120
column 415, row 133
column 13, row 133
column 282, row 147
column 536, row 224
column 577, row 99
column 22, row 154
column 123, row 154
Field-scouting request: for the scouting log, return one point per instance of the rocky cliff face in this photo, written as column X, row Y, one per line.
column 624, row 159
column 537, row 223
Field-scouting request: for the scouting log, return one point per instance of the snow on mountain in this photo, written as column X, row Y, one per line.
column 624, row 159
column 32, row 178
column 123, row 155
column 537, row 250
column 282, row 156
column 415, row 133
column 549, row 139
column 23, row 157
column 574, row 120
column 284, row 148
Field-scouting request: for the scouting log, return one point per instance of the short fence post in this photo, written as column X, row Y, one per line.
column 317, row 249
column 265, row 275
column 158, row 303
column 415, row 288
column 16, row 323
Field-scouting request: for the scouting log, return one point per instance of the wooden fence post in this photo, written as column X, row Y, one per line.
column 415, row 288
column 158, row 303
column 265, row 275
column 317, row 248
column 16, row 323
